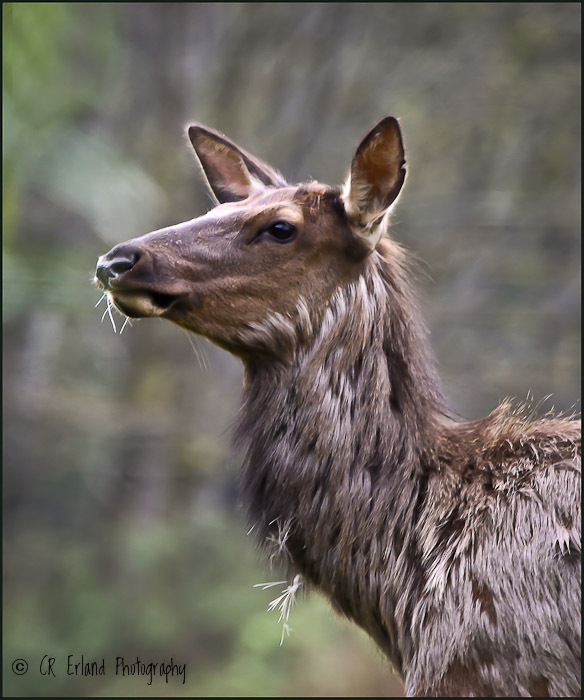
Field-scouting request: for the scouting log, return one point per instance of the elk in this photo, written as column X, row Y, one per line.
column 455, row 545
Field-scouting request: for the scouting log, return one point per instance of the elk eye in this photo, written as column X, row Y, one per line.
column 282, row 231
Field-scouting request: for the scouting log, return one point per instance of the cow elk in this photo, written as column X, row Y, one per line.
column 454, row 545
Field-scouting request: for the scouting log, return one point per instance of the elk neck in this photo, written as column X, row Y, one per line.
column 339, row 441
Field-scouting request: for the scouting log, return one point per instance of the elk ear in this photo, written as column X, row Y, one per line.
column 232, row 173
column 376, row 178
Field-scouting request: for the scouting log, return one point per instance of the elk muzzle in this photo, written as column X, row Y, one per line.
column 126, row 273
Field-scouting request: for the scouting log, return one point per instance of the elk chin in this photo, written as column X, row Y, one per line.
column 143, row 304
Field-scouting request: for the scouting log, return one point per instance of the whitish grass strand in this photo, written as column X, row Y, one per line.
column 127, row 322
column 108, row 311
column 283, row 602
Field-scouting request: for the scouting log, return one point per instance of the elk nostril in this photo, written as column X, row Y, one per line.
column 120, row 265
column 110, row 269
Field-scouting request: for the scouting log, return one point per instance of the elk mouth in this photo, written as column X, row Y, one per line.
column 143, row 303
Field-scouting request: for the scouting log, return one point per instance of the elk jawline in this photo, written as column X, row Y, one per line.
column 143, row 303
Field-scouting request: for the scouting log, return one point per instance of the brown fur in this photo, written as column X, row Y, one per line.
column 455, row 545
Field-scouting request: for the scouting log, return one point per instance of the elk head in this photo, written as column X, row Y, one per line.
column 264, row 248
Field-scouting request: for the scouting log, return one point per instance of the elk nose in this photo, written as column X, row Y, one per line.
column 109, row 269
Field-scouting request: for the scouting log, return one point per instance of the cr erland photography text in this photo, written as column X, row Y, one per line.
column 167, row 670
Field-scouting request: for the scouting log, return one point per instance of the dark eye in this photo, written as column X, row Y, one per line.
column 281, row 231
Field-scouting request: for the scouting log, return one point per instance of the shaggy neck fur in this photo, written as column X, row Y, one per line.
column 430, row 533
column 339, row 441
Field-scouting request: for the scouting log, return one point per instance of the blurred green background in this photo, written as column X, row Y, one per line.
column 123, row 534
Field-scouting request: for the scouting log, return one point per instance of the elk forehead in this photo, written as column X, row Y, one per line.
column 252, row 210
column 295, row 205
